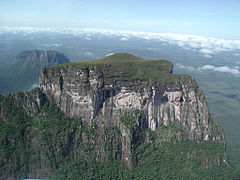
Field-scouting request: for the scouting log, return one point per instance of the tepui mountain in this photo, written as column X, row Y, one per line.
column 121, row 109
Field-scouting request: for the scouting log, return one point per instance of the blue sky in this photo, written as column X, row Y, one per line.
column 215, row 18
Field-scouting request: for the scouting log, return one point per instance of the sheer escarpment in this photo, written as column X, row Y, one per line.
column 92, row 114
column 106, row 92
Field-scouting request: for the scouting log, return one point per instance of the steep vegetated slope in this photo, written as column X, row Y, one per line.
column 121, row 117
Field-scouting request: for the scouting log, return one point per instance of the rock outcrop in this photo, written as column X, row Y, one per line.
column 131, row 98
column 120, row 108
column 31, row 59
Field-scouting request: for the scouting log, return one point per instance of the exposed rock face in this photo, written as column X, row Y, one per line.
column 23, row 74
column 118, row 108
column 94, row 94
column 40, row 58
column 31, row 101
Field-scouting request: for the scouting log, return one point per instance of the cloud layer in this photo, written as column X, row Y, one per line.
column 204, row 45
column 226, row 69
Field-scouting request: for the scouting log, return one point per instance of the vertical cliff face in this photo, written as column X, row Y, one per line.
column 88, row 117
column 36, row 58
column 135, row 96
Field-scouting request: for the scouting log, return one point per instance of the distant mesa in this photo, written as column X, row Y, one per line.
column 40, row 58
column 23, row 73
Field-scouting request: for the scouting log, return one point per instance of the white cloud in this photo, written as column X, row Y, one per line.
column 206, row 51
column 204, row 45
column 109, row 54
column 226, row 69
column 54, row 45
column 236, row 67
column 89, row 54
column 124, row 39
column 207, row 55
column 88, row 38
column 189, row 68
